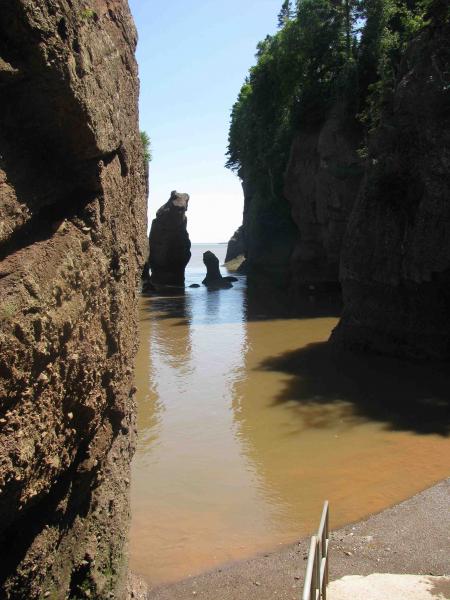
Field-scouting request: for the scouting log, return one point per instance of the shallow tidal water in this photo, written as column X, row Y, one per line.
column 247, row 423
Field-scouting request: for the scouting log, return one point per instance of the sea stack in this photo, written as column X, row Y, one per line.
column 170, row 246
column 213, row 275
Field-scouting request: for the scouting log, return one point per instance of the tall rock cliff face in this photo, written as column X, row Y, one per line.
column 297, row 243
column 396, row 257
column 321, row 183
column 72, row 236
column 268, row 234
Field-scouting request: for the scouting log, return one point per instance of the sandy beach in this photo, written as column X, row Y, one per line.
column 411, row 537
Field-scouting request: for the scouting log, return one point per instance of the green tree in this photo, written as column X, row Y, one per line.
column 286, row 13
column 146, row 145
column 326, row 53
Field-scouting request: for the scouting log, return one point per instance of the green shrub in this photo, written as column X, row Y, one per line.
column 87, row 14
column 146, row 145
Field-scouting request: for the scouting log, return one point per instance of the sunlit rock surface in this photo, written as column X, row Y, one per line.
column 72, row 236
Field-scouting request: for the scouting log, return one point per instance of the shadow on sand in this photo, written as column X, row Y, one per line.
column 405, row 396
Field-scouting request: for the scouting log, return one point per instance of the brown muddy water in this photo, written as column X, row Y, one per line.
column 247, row 423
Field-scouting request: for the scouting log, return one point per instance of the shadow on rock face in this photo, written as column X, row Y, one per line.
column 403, row 395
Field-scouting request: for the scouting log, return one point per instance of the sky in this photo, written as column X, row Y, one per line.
column 193, row 57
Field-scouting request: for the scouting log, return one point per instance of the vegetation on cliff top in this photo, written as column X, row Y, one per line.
column 146, row 145
column 326, row 53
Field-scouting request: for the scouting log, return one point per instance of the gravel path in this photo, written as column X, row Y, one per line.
column 412, row 537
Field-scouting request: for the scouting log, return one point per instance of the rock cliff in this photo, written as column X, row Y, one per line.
column 269, row 235
column 321, row 183
column 396, row 255
column 170, row 246
column 236, row 245
column 298, row 244
column 72, row 237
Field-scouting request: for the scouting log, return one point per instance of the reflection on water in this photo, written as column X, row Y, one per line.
column 246, row 425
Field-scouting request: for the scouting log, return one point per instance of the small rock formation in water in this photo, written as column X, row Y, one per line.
column 194, row 285
column 213, row 275
column 72, row 233
column 170, row 246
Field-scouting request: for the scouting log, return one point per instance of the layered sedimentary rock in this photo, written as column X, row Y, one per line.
column 170, row 247
column 396, row 256
column 321, row 183
column 72, row 237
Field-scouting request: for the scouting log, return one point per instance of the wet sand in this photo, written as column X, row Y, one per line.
column 411, row 537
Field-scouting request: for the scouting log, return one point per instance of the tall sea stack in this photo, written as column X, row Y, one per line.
column 170, row 246
column 72, row 238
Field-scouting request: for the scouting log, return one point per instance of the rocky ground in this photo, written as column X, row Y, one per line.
column 412, row 537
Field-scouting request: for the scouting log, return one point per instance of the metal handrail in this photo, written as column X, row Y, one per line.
column 316, row 577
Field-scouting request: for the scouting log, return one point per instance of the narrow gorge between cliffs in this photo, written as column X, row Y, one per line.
column 247, row 421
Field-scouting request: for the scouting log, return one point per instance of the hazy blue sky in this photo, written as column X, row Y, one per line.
column 193, row 57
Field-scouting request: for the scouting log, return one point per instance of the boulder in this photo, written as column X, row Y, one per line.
column 170, row 246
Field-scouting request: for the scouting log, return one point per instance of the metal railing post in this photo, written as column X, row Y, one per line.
column 317, row 573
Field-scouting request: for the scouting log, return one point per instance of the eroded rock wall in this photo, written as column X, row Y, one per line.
column 321, row 183
column 295, row 242
column 269, row 234
column 396, row 255
column 72, row 238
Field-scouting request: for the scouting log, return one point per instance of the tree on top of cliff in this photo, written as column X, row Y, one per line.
column 327, row 52
column 292, row 82
column 389, row 27
column 286, row 13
